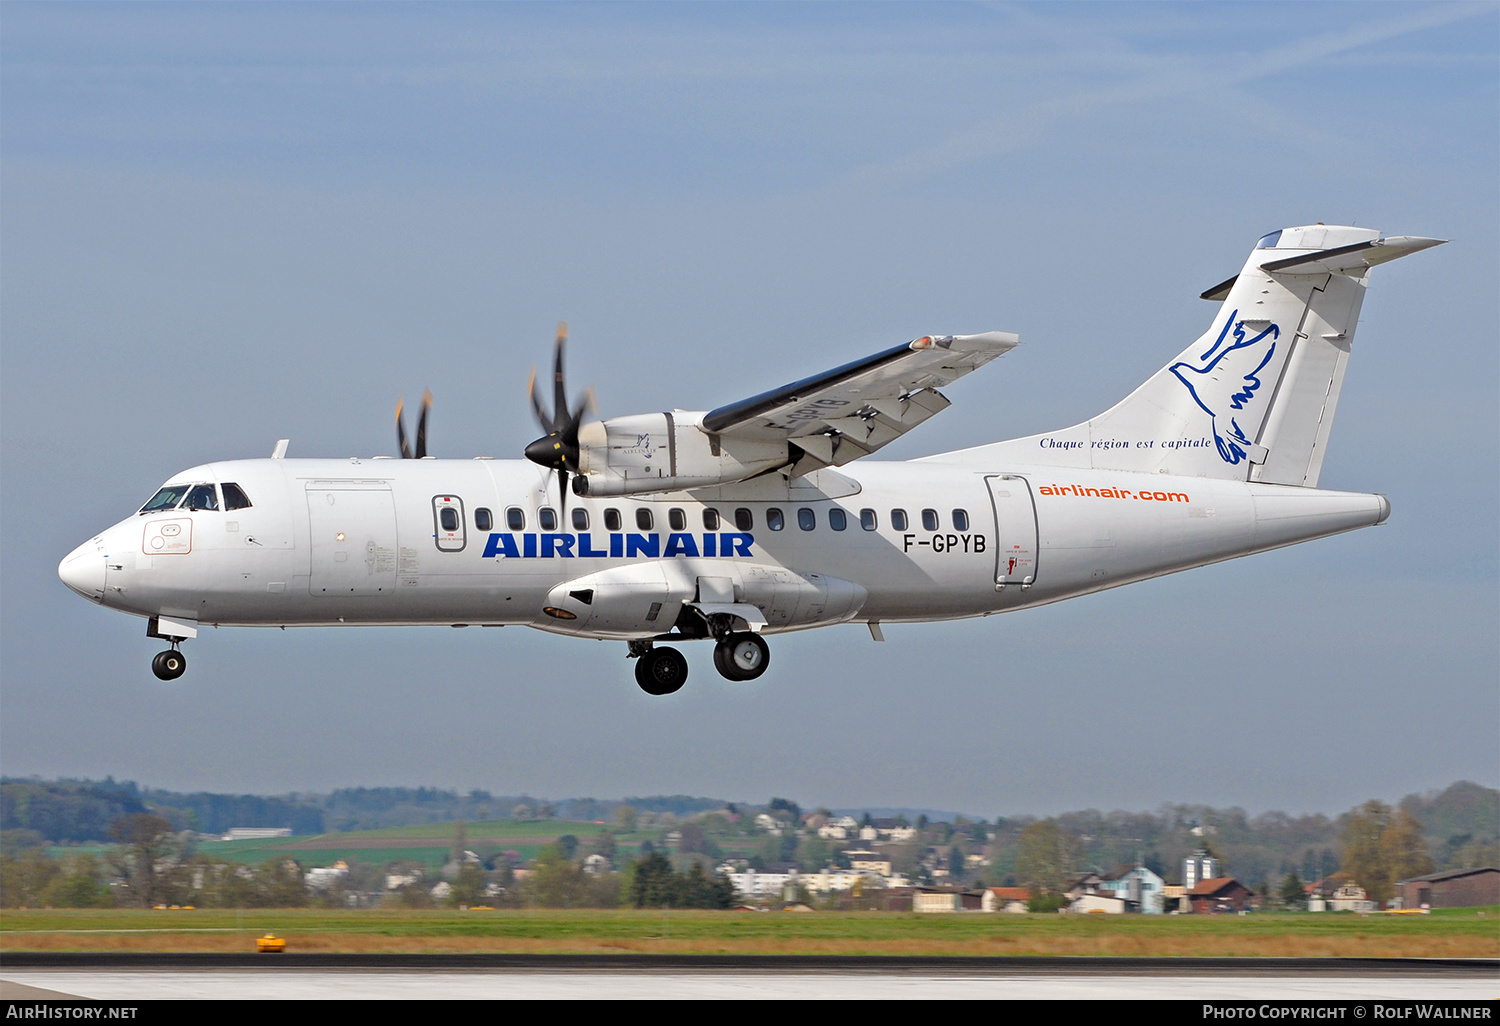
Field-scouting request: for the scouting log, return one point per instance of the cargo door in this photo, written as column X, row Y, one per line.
column 353, row 540
column 1015, row 530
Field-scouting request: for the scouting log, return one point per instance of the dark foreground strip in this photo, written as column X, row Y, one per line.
column 965, row 965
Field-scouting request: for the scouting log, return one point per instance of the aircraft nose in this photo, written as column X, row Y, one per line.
column 83, row 571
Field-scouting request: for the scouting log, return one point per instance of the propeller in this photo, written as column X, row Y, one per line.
column 406, row 452
column 558, row 448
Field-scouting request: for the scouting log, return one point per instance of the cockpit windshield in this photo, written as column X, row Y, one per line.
column 198, row 497
column 203, row 496
column 167, row 498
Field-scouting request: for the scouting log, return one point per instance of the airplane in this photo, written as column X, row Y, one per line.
column 765, row 515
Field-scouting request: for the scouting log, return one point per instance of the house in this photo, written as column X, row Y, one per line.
column 887, row 830
column 1006, row 899
column 838, row 829
column 256, row 833
column 863, row 861
column 1221, row 894
column 1138, row 885
column 1101, row 901
column 1338, row 892
column 945, row 899
column 1452, row 888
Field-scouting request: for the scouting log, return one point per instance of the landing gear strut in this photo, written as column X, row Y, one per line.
column 742, row 656
column 660, row 671
column 169, row 665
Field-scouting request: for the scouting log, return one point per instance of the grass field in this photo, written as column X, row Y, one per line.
column 1450, row 933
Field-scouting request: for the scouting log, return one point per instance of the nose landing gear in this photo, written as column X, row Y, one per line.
column 169, row 665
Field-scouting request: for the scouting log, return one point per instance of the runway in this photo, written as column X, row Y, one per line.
column 395, row 977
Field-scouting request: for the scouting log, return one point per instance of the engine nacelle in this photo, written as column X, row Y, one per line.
column 658, row 452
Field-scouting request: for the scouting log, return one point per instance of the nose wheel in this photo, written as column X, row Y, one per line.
column 742, row 656
column 169, row 665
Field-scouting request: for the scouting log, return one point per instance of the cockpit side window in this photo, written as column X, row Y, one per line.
column 203, row 496
column 234, row 496
column 167, row 498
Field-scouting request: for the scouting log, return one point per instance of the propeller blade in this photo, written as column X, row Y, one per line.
column 562, row 495
column 422, row 424
column 401, row 433
column 559, row 392
column 543, row 418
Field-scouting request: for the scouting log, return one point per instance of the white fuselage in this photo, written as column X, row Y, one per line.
column 361, row 541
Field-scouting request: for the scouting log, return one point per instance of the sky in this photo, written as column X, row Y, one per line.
column 223, row 224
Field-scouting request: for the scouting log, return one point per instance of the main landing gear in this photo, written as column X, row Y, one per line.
column 742, row 656
column 169, row 665
column 663, row 671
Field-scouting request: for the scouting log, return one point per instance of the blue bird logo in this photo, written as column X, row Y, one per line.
column 1229, row 380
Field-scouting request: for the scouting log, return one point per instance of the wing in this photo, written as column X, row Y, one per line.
column 848, row 412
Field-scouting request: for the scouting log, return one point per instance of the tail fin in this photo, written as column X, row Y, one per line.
column 1252, row 399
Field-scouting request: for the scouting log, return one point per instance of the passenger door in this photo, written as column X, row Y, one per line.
column 1015, row 530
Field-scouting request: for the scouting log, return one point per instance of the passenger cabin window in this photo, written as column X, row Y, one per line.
column 515, row 519
column 580, row 519
column 744, row 519
column 929, row 520
column 202, row 496
column 166, row 498
column 484, row 520
column 837, row 519
column 775, row 519
column 806, row 519
column 547, row 518
column 960, row 520
column 234, row 496
column 611, row 520
column 710, row 519
column 448, row 517
column 677, row 518
column 898, row 519
column 867, row 519
column 643, row 518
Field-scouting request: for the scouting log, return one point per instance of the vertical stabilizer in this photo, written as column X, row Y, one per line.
column 1253, row 398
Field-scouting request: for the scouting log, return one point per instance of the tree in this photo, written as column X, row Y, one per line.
column 1292, row 894
column 1379, row 849
column 1048, row 857
column 654, row 884
column 785, row 809
column 625, row 819
column 555, row 881
column 145, row 842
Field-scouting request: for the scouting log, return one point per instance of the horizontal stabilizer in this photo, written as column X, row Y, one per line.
column 1358, row 258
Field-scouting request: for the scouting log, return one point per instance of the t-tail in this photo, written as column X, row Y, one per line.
column 1253, row 399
